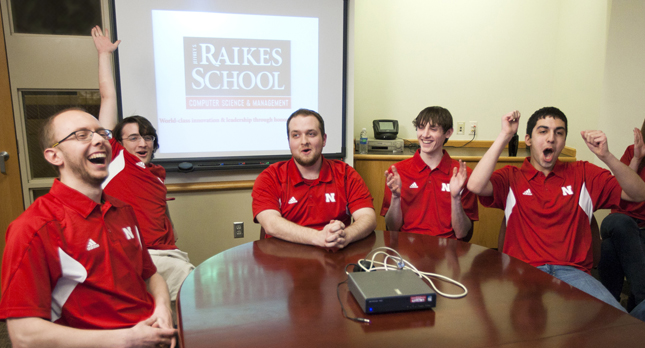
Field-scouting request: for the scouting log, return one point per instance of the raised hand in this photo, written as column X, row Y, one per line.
column 458, row 179
column 510, row 122
column 393, row 181
column 639, row 145
column 102, row 41
column 596, row 142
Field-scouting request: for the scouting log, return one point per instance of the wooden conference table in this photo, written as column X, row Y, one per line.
column 271, row 293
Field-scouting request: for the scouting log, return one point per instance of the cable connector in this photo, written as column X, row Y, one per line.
column 362, row 320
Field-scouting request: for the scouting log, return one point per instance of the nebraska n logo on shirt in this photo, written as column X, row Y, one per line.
column 130, row 235
column 445, row 187
column 329, row 197
column 567, row 191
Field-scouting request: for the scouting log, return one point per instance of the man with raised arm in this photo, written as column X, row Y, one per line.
column 134, row 179
column 310, row 199
column 425, row 194
column 549, row 204
column 623, row 236
column 75, row 272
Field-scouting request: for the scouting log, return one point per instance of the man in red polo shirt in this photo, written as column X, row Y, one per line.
column 134, row 179
column 310, row 199
column 75, row 272
column 425, row 194
column 549, row 204
column 623, row 236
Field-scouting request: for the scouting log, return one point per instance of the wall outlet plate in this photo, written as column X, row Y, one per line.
column 473, row 126
column 238, row 230
column 461, row 128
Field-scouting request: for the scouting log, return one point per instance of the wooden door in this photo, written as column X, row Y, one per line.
column 11, row 203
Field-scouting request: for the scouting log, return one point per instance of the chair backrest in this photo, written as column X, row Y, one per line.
column 263, row 233
column 595, row 239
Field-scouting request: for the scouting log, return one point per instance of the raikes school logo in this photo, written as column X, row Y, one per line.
column 237, row 73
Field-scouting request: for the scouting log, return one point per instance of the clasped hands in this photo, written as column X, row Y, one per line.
column 332, row 236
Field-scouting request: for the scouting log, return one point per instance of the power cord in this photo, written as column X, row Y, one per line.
column 400, row 263
column 471, row 140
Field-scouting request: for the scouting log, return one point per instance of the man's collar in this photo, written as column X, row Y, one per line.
column 530, row 172
column 444, row 165
column 73, row 198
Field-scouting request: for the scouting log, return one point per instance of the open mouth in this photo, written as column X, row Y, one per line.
column 97, row 158
column 306, row 151
column 142, row 153
column 548, row 154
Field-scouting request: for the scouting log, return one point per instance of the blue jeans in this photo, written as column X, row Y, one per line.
column 639, row 311
column 622, row 255
column 582, row 281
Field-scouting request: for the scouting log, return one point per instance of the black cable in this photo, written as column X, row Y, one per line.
column 360, row 320
column 471, row 140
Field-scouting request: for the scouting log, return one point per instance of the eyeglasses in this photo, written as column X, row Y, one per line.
column 86, row 135
column 136, row 137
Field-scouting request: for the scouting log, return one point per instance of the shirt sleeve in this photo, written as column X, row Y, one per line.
column 628, row 155
column 358, row 195
column 116, row 147
column 469, row 200
column 501, row 185
column 29, row 273
column 266, row 192
column 603, row 187
column 149, row 267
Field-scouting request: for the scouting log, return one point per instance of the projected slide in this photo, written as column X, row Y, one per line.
column 251, row 69
column 218, row 80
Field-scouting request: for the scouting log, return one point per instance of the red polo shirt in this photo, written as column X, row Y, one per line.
column 548, row 217
column 142, row 186
column 633, row 209
column 425, row 196
column 76, row 263
column 337, row 193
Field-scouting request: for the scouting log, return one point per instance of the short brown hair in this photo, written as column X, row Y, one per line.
column 435, row 115
column 145, row 128
column 307, row 112
column 549, row 111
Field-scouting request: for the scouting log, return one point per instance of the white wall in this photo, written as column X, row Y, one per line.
column 480, row 59
column 623, row 101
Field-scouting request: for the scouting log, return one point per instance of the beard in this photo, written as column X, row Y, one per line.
column 77, row 167
column 307, row 162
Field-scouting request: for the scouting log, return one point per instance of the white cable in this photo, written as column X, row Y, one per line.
column 401, row 263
